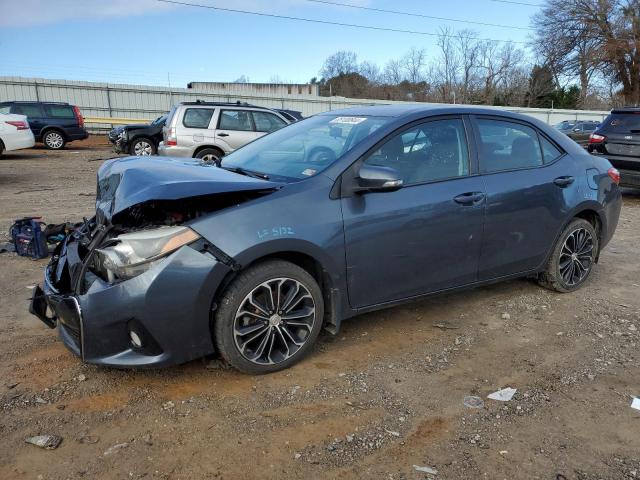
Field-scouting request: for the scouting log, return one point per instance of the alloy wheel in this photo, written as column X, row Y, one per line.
column 54, row 140
column 576, row 257
column 210, row 158
column 142, row 148
column 274, row 321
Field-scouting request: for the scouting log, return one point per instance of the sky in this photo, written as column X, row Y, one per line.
column 154, row 43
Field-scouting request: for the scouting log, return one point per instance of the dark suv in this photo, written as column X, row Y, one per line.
column 618, row 139
column 138, row 139
column 53, row 123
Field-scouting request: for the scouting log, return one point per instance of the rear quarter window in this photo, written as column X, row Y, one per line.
column 197, row 117
column 59, row 111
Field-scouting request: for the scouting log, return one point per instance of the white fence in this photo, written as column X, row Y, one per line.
column 107, row 100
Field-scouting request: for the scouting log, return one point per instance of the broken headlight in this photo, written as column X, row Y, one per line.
column 132, row 254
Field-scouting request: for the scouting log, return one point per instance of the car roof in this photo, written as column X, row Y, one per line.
column 34, row 101
column 626, row 110
column 201, row 103
column 405, row 110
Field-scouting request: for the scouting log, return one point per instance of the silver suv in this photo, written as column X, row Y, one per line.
column 211, row 130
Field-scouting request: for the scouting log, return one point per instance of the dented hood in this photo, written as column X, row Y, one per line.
column 125, row 182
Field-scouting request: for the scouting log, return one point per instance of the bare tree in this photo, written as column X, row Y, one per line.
column 371, row 72
column 497, row 64
column 468, row 55
column 583, row 37
column 447, row 65
column 413, row 63
column 393, row 73
column 339, row 63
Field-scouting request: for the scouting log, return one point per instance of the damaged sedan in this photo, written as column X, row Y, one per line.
column 251, row 258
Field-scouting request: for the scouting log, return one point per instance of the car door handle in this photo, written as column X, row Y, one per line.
column 469, row 198
column 564, row 181
column 223, row 134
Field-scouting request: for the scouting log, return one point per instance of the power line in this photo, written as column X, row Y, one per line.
column 518, row 3
column 327, row 22
column 415, row 14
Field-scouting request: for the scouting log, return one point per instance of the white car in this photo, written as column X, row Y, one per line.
column 15, row 133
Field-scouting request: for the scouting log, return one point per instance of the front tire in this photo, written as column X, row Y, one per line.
column 142, row 147
column 53, row 140
column 269, row 317
column 573, row 257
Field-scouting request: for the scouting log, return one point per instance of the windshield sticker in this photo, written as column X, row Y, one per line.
column 348, row 120
column 308, row 172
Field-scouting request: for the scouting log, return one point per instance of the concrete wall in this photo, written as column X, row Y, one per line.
column 110, row 100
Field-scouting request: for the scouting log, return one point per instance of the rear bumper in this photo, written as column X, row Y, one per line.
column 630, row 178
column 76, row 134
column 168, row 307
column 174, row 151
column 22, row 139
column 629, row 168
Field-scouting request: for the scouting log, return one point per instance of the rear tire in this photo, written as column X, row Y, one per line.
column 268, row 318
column 573, row 257
column 142, row 147
column 210, row 155
column 53, row 140
column 1, row 148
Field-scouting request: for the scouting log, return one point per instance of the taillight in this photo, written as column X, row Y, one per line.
column 595, row 138
column 171, row 141
column 19, row 124
column 78, row 115
column 614, row 174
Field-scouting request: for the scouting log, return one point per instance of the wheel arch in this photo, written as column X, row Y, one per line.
column 594, row 217
column 590, row 211
column 308, row 261
column 204, row 147
column 48, row 128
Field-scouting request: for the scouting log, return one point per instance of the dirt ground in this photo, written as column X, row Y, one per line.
column 384, row 396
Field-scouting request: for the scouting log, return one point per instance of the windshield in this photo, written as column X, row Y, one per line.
column 159, row 120
column 305, row 148
column 565, row 125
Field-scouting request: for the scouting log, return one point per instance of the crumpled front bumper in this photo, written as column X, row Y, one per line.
column 168, row 306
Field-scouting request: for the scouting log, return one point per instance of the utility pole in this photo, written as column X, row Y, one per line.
column 170, row 96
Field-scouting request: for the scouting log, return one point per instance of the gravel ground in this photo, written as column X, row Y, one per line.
column 384, row 396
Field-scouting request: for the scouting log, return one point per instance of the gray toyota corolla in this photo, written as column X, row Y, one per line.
column 336, row 215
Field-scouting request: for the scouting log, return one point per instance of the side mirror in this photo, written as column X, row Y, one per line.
column 373, row 178
column 576, row 129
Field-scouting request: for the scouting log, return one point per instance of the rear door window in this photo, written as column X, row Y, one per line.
column 59, row 111
column 506, row 145
column 197, row 117
column 32, row 110
column 235, row 120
